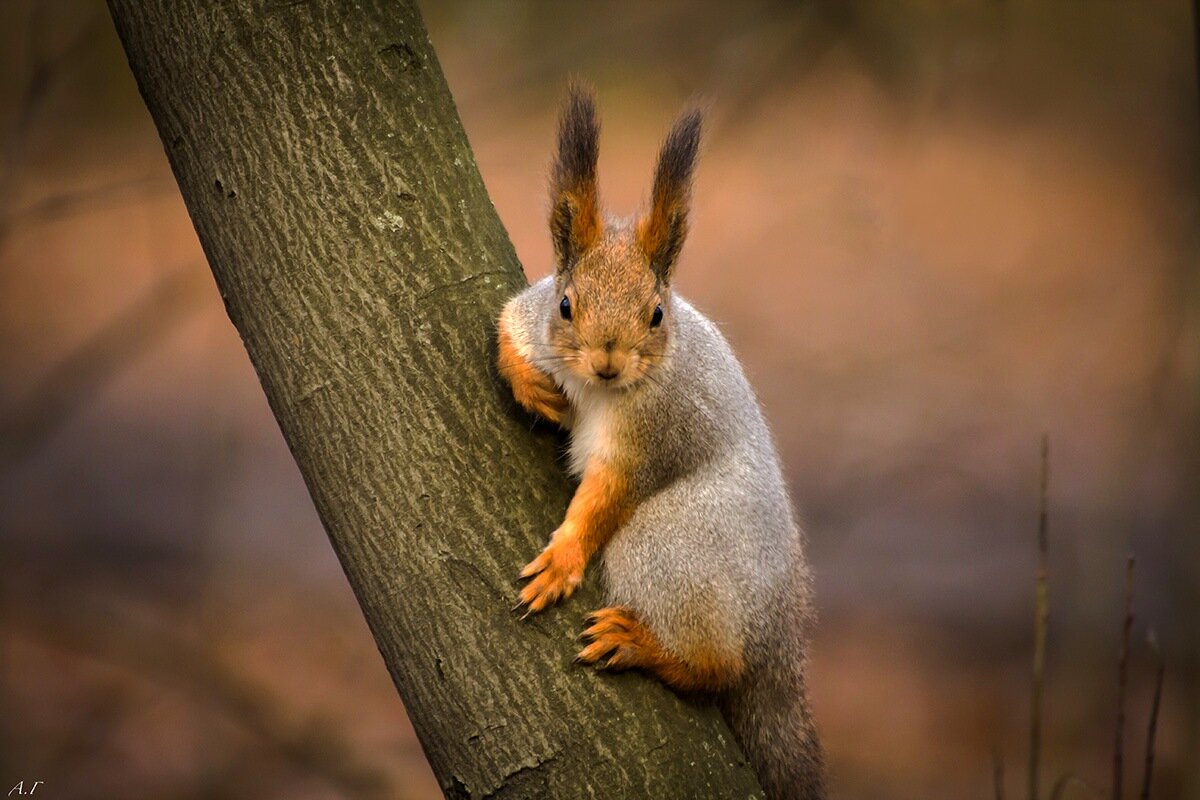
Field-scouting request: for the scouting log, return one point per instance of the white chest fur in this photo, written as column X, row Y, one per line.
column 592, row 433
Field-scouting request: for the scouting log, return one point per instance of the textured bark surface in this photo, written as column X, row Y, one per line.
column 331, row 184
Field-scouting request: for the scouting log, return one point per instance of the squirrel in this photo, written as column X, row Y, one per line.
column 680, row 487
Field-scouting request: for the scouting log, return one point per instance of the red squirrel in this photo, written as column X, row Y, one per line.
column 680, row 488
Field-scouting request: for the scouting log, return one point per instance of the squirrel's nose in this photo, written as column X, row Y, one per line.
column 607, row 364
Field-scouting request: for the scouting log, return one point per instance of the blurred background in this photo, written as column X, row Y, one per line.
column 933, row 231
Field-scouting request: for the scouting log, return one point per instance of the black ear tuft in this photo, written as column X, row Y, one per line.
column 677, row 158
column 578, row 139
column 575, row 223
column 662, row 232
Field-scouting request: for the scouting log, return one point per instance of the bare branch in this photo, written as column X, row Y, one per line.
column 1118, row 786
column 1041, row 618
column 1152, row 731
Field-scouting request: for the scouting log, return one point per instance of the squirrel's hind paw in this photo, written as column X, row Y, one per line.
column 616, row 635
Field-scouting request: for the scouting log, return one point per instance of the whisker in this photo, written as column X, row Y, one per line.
column 538, row 360
column 519, row 361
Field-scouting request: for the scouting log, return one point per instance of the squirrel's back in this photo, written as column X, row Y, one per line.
column 716, row 556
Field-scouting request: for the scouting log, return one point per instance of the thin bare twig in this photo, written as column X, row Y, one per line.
column 1152, row 731
column 1041, row 617
column 998, row 773
column 1118, row 786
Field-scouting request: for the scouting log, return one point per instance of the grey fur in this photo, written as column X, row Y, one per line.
column 712, row 553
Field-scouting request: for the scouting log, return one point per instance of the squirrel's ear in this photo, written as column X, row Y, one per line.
column 575, row 223
column 662, row 231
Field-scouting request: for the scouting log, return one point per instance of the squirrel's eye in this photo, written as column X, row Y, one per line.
column 656, row 319
column 564, row 308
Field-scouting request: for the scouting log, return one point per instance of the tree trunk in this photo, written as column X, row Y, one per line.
column 331, row 184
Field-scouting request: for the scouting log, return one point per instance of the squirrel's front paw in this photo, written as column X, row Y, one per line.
column 556, row 573
column 538, row 394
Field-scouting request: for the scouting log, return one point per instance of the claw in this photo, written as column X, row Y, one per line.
column 534, row 567
column 554, row 574
column 612, row 637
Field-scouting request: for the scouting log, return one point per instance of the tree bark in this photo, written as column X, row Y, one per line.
column 332, row 187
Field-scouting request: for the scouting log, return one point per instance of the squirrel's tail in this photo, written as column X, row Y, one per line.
column 768, row 711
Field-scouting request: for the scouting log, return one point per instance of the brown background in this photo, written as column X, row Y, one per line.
column 932, row 230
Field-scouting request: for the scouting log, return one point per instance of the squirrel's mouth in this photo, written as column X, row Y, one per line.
column 612, row 371
column 630, row 375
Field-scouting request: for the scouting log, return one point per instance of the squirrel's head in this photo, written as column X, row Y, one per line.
column 613, row 319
